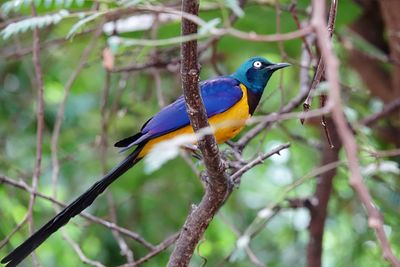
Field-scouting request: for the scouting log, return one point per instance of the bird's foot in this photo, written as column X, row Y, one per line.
column 194, row 151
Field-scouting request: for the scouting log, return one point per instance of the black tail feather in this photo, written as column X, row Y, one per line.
column 76, row 207
column 127, row 141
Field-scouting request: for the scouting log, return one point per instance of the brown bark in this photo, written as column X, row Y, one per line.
column 390, row 13
column 217, row 186
column 370, row 26
column 375, row 219
column 378, row 20
column 319, row 203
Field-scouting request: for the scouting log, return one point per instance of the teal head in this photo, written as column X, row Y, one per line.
column 255, row 73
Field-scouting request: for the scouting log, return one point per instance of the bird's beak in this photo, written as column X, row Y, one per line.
column 278, row 66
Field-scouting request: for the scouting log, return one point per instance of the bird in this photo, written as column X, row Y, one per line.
column 230, row 98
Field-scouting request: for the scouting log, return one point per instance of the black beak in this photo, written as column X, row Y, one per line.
column 278, row 66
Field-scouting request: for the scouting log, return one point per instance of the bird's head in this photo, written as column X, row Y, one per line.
column 255, row 73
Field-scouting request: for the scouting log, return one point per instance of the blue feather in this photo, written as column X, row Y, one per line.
column 219, row 94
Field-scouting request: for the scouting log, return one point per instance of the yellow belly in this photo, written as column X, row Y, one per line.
column 226, row 125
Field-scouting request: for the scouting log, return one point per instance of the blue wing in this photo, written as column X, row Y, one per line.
column 219, row 94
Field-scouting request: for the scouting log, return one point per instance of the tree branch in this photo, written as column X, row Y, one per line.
column 387, row 109
column 260, row 159
column 21, row 185
column 375, row 220
column 217, row 187
column 322, row 194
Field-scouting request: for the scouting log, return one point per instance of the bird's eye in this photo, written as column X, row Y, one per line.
column 257, row 64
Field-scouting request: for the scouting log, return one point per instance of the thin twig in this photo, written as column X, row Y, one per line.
column 103, row 143
column 267, row 213
column 387, row 109
column 78, row 250
column 324, row 123
column 321, row 67
column 20, row 52
column 260, row 159
column 293, row 12
column 157, row 250
column 89, row 217
column 384, row 153
column 40, row 125
column 60, row 113
column 16, row 229
column 284, row 113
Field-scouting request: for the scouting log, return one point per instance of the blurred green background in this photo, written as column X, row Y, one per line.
column 156, row 204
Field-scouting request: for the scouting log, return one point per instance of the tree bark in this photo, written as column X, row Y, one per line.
column 319, row 202
column 217, row 187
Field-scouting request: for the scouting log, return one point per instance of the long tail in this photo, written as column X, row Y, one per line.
column 76, row 207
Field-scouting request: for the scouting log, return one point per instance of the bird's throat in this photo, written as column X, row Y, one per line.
column 253, row 99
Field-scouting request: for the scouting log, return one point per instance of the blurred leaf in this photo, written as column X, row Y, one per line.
column 381, row 167
column 235, row 7
column 17, row 5
column 166, row 150
column 81, row 23
column 31, row 23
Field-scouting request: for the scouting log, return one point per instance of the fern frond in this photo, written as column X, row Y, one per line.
column 31, row 23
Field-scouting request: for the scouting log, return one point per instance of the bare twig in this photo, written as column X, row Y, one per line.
column 16, row 229
column 260, row 159
column 40, row 125
column 123, row 246
column 158, row 249
column 267, row 213
column 387, row 109
column 293, row 12
column 110, row 225
column 324, row 122
column 55, row 136
column 384, row 153
column 321, row 68
column 103, row 143
column 60, row 113
column 17, row 53
column 349, row 143
column 317, row 79
column 250, row 253
column 284, row 113
column 79, row 252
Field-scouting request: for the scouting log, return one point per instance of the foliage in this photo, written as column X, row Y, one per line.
column 31, row 23
column 156, row 204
